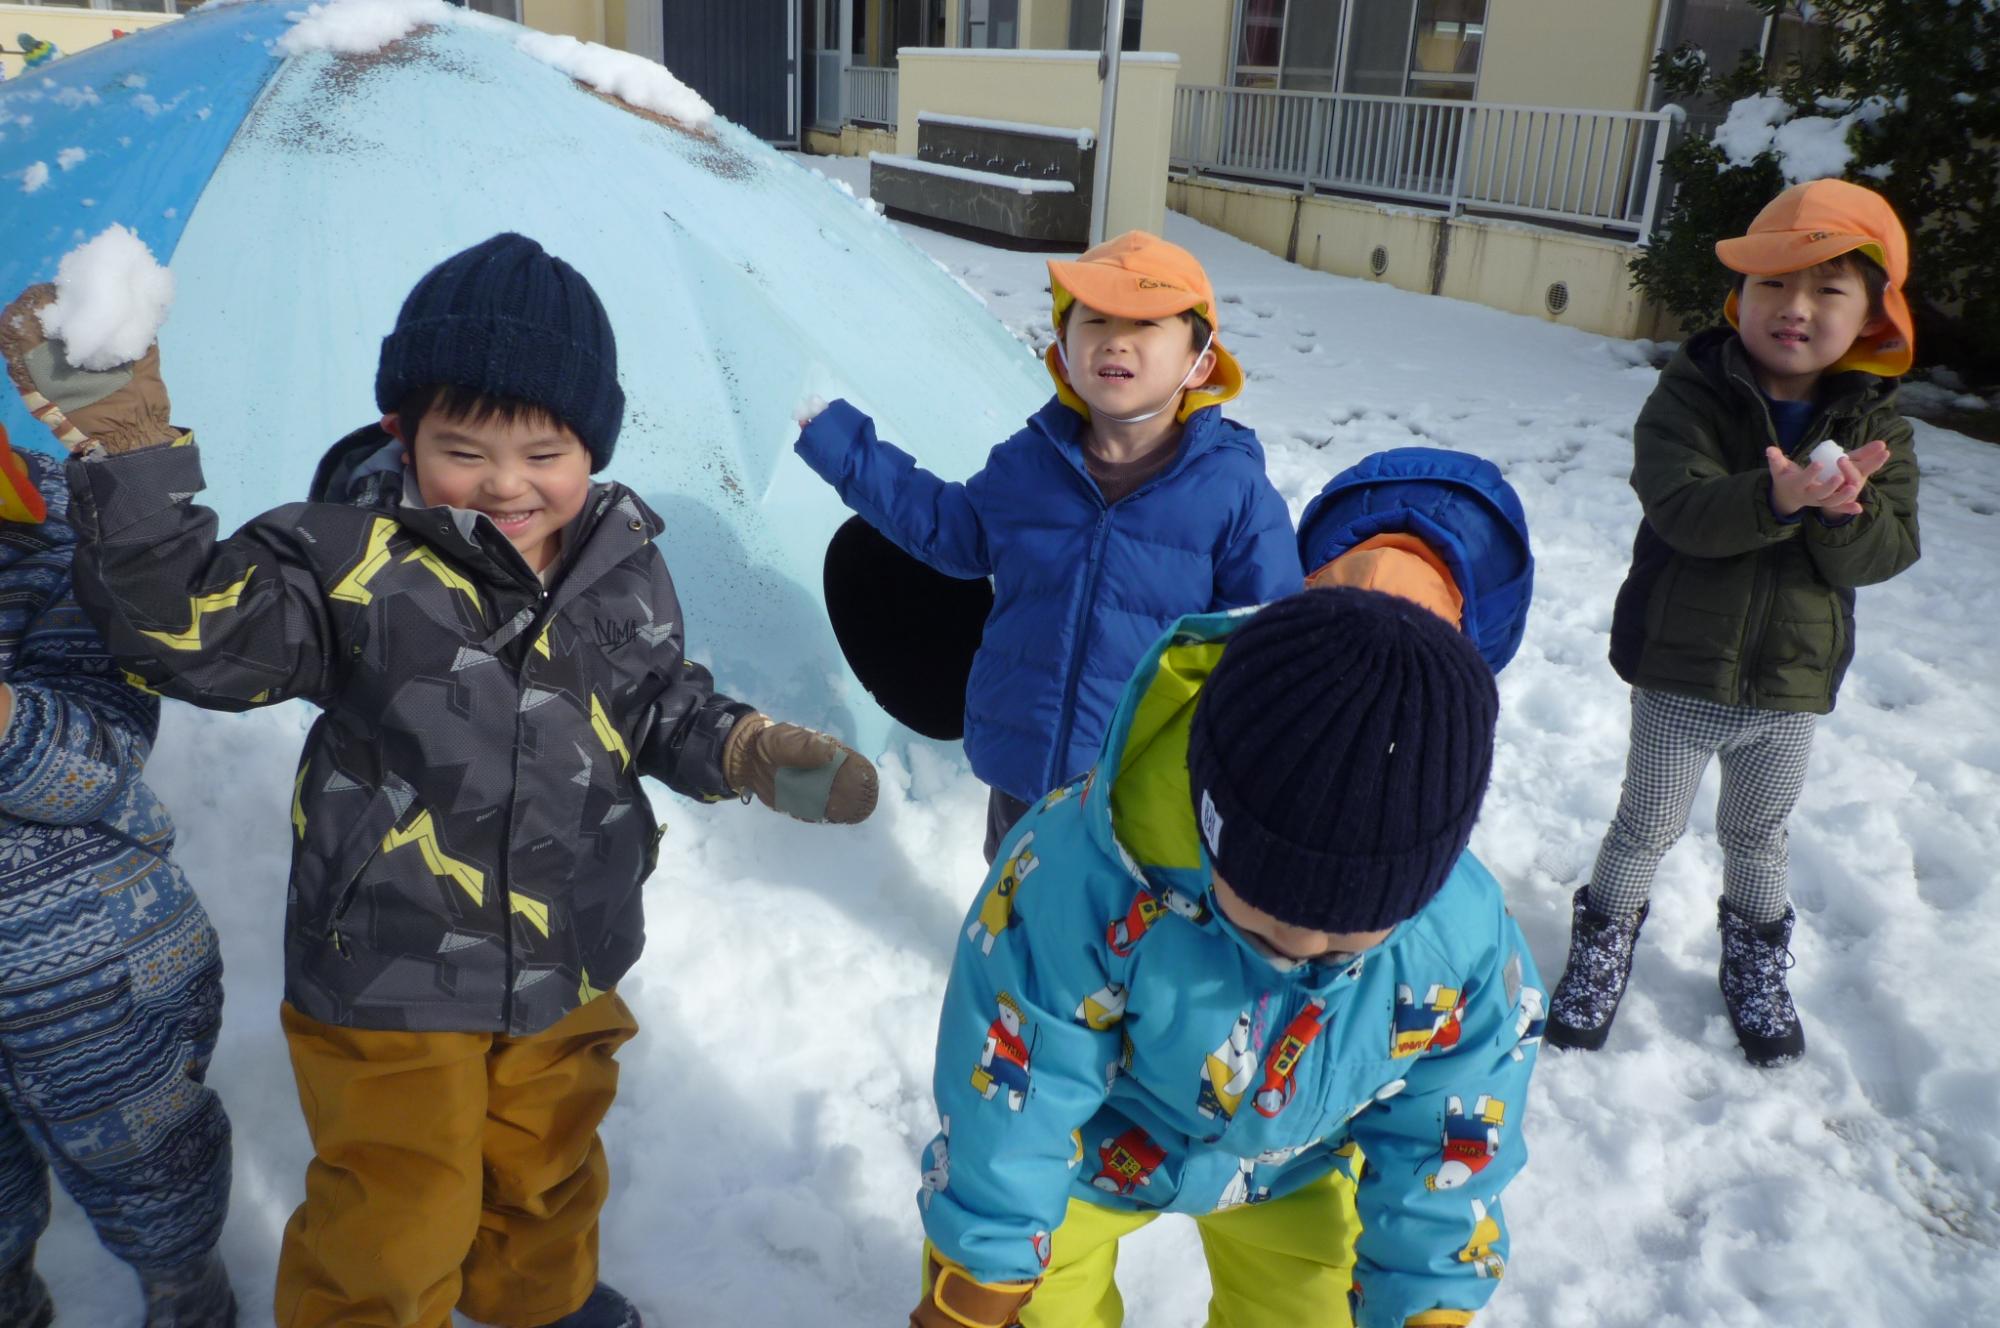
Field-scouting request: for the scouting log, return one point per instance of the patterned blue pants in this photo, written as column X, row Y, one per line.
column 110, row 1000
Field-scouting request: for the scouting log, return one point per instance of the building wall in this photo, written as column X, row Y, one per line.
column 581, row 19
column 72, row 30
column 1195, row 30
column 1578, row 53
column 1055, row 88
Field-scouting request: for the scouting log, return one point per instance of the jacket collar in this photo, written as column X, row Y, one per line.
column 1204, row 431
column 1718, row 357
column 365, row 469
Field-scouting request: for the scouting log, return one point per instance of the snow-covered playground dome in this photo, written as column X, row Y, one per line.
column 297, row 171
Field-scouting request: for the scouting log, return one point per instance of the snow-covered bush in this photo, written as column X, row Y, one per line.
column 1899, row 95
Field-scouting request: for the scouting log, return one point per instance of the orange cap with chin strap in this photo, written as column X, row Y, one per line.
column 1139, row 275
column 1815, row 222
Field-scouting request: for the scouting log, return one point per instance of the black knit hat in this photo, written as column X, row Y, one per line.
column 508, row 319
column 1338, row 756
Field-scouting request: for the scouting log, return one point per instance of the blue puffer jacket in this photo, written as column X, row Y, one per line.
column 1107, row 1035
column 1461, row 506
column 1080, row 589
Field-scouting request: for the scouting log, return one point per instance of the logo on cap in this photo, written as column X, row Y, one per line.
column 1154, row 283
column 1211, row 825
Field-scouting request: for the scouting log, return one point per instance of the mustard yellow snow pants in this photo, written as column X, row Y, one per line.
column 449, row 1169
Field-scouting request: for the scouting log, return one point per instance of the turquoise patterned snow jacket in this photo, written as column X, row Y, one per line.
column 1080, row 589
column 1108, row 1035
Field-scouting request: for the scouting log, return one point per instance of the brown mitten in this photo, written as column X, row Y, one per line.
column 803, row 774
column 121, row 408
column 956, row 1301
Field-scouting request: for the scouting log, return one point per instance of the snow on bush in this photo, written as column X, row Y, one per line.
column 1808, row 147
column 632, row 79
column 356, row 27
column 111, row 297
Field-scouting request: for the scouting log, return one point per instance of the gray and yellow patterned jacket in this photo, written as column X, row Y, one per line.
column 469, row 835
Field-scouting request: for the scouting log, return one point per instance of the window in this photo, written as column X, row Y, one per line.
column 993, row 24
column 1444, row 56
column 1389, row 48
column 1086, row 25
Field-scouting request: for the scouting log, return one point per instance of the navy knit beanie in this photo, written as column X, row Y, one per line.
column 506, row 318
column 1338, row 755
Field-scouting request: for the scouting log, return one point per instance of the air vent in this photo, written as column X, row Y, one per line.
column 1558, row 296
column 1378, row 262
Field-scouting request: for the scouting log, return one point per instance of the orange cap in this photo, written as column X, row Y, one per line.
column 1815, row 222
column 1139, row 275
column 20, row 500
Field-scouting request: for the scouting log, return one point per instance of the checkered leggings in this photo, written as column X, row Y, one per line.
column 1763, row 755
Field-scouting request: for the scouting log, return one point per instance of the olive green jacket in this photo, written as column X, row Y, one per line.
column 1725, row 600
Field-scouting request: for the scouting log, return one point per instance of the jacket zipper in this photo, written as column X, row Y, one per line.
column 506, row 882
column 1760, row 583
column 1051, row 775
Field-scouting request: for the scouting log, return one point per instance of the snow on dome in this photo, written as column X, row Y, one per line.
column 34, row 177
column 111, row 298
column 632, row 79
column 356, row 27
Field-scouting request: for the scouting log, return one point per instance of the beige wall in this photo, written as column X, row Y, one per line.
column 1195, row 30
column 852, row 141
column 1582, row 53
column 581, row 19
column 1056, row 88
column 72, row 30
column 1495, row 263
column 1044, row 25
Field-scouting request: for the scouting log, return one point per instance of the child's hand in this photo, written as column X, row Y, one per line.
column 1794, row 486
column 1855, row 469
column 808, row 410
column 122, row 408
column 806, row 775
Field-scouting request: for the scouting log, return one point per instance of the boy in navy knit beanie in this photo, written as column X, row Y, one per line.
column 1246, row 970
column 496, row 645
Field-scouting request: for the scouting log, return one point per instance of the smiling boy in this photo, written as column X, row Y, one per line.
column 1127, row 501
column 1735, row 624
column 469, row 834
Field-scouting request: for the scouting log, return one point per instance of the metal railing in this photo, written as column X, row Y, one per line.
column 1594, row 168
column 869, row 94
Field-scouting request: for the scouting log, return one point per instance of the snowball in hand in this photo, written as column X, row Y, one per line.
column 1826, row 458
column 111, row 298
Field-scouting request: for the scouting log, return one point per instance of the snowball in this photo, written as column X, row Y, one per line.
column 34, row 177
column 69, row 157
column 808, row 409
column 1826, row 458
column 111, row 297
column 356, row 27
column 632, row 79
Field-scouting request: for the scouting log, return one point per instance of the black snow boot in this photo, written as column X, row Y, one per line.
column 1754, row 959
column 195, row 1296
column 605, row 1309
column 1593, row 981
column 24, row 1297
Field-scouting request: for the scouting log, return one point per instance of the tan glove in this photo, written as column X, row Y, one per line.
column 956, row 1301
column 803, row 774
column 121, row 408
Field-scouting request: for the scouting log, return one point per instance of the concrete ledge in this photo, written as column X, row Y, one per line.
column 851, row 141
column 1503, row 264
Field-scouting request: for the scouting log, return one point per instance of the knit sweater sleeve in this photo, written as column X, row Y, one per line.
column 76, row 733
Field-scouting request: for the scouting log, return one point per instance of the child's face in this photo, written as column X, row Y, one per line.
column 1127, row 366
column 1295, row 943
column 530, row 478
column 1796, row 324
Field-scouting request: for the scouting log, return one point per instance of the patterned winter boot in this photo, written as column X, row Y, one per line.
column 24, row 1297
column 196, row 1296
column 605, row 1309
column 1593, row 981
column 1754, row 960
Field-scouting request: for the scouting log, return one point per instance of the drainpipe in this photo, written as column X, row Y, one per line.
column 1107, row 115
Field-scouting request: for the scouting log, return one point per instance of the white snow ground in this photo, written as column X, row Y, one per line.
column 764, row 1141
